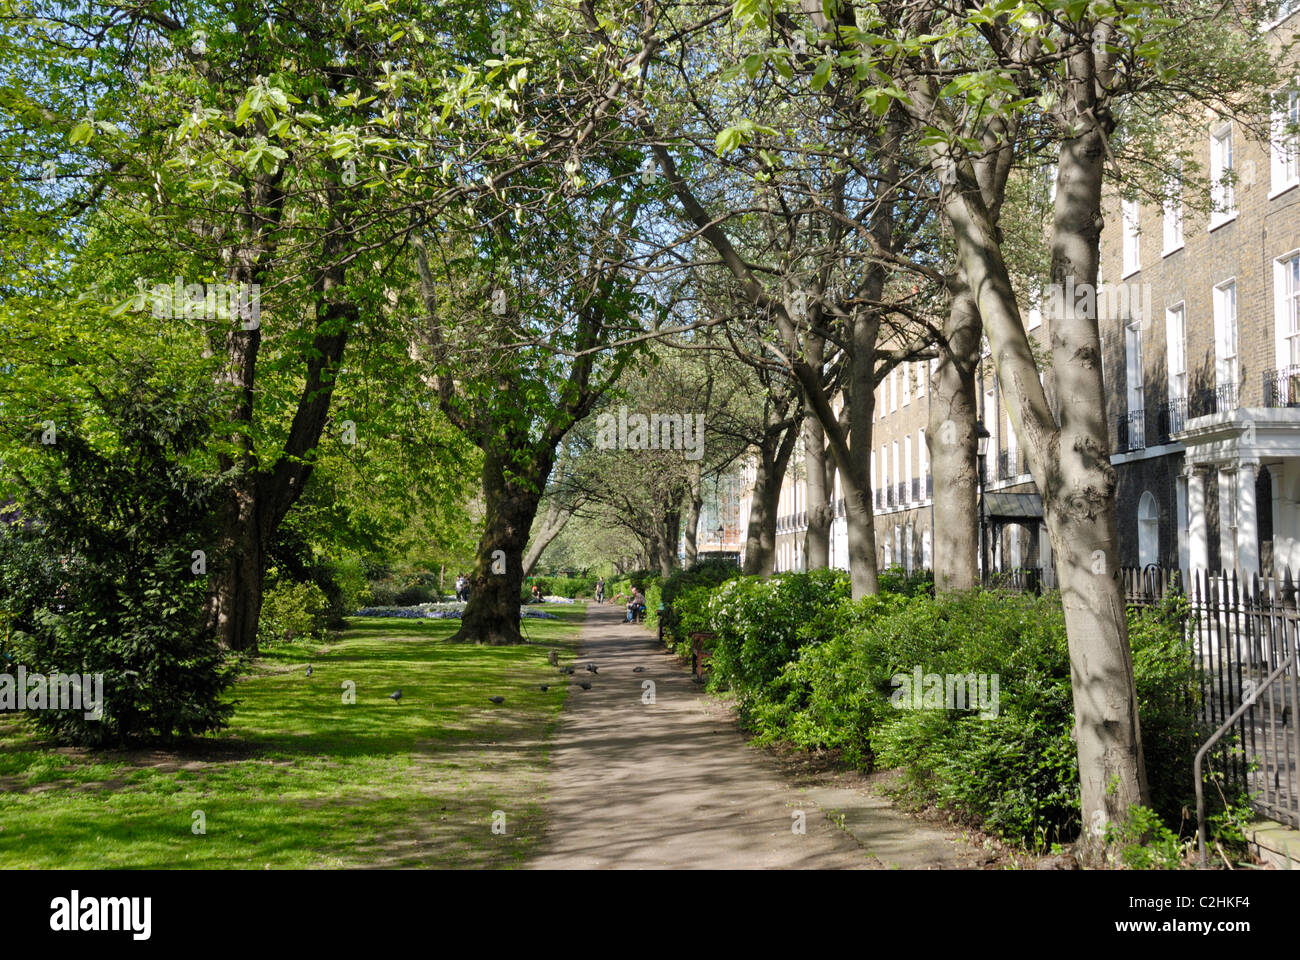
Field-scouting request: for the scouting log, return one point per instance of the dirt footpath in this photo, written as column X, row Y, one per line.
column 673, row 784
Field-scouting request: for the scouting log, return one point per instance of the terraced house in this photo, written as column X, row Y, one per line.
column 1203, row 367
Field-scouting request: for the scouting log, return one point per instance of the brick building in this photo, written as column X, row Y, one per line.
column 1202, row 363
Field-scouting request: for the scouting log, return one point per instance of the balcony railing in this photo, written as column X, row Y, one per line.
column 1170, row 419
column 1282, row 387
column 916, row 488
column 880, row 498
column 901, row 486
column 929, row 485
column 889, row 496
column 1011, row 464
column 1131, row 431
column 1205, row 401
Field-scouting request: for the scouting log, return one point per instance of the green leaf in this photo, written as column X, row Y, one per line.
column 81, row 133
column 822, row 75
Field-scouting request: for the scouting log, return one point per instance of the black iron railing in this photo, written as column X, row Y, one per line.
column 916, row 488
column 1131, row 431
column 1282, row 387
column 929, row 485
column 1207, row 401
column 1170, row 419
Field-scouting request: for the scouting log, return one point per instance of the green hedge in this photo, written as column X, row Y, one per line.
column 808, row 666
column 700, row 579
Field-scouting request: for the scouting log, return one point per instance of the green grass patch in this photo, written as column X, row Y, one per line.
column 303, row 779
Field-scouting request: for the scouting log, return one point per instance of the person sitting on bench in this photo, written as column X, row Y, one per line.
column 636, row 606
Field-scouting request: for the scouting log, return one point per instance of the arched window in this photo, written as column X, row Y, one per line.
column 1148, row 530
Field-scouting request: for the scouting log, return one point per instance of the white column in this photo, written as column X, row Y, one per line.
column 1227, row 531
column 1180, row 522
column 1247, row 519
column 1198, row 545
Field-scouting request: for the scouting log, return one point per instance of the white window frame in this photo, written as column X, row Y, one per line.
column 1284, row 144
column 1172, row 209
column 1176, row 350
column 1222, row 190
column 905, row 375
column 1130, row 220
column 1286, row 308
column 907, row 468
column 1226, row 346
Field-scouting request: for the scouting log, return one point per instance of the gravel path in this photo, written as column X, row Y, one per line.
column 669, row 784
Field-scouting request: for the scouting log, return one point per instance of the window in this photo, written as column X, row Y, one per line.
column 1284, row 143
column 873, row 472
column 1132, row 251
column 920, row 378
column 921, row 454
column 1176, row 350
column 1148, row 530
column 927, row 561
column 1225, row 334
column 1221, row 192
column 1035, row 315
column 1136, row 386
column 896, row 473
column 1288, row 269
column 1173, row 213
column 905, row 375
column 907, row 469
column 893, row 390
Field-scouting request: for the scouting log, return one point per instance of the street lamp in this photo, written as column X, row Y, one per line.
column 982, row 448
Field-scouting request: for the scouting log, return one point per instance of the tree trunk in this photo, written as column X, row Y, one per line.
column 1069, row 461
column 951, row 440
column 492, row 614
column 690, row 533
column 817, row 541
column 555, row 520
column 760, row 538
column 668, row 537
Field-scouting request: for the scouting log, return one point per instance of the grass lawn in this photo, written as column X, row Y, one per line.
column 301, row 779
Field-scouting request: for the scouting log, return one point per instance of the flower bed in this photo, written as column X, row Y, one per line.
column 440, row 611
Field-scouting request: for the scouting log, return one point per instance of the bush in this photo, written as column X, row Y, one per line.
column 705, row 573
column 293, row 611
column 762, row 622
column 103, row 582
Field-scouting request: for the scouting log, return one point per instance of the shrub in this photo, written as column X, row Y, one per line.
column 706, row 573
column 293, row 611
column 762, row 622
column 103, row 582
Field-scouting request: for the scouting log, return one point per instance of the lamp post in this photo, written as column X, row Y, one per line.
column 982, row 448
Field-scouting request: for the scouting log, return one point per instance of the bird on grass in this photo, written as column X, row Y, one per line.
column 543, row 688
column 497, row 699
column 566, row 670
column 395, row 696
column 309, row 669
column 638, row 669
column 591, row 668
column 553, row 657
column 585, row 684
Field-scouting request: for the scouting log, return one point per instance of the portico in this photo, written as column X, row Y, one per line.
column 1232, row 450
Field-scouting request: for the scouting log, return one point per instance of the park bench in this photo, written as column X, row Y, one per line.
column 699, row 653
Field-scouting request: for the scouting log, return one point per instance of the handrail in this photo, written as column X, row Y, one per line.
column 1227, row 724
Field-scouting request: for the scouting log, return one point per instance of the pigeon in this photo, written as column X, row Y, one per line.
column 585, row 684
column 566, row 670
column 591, row 668
column 638, row 669
column 396, row 696
column 497, row 699
column 543, row 688
column 309, row 669
column 553, row 658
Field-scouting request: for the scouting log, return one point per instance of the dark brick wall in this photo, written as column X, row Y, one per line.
column 1159, row 476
